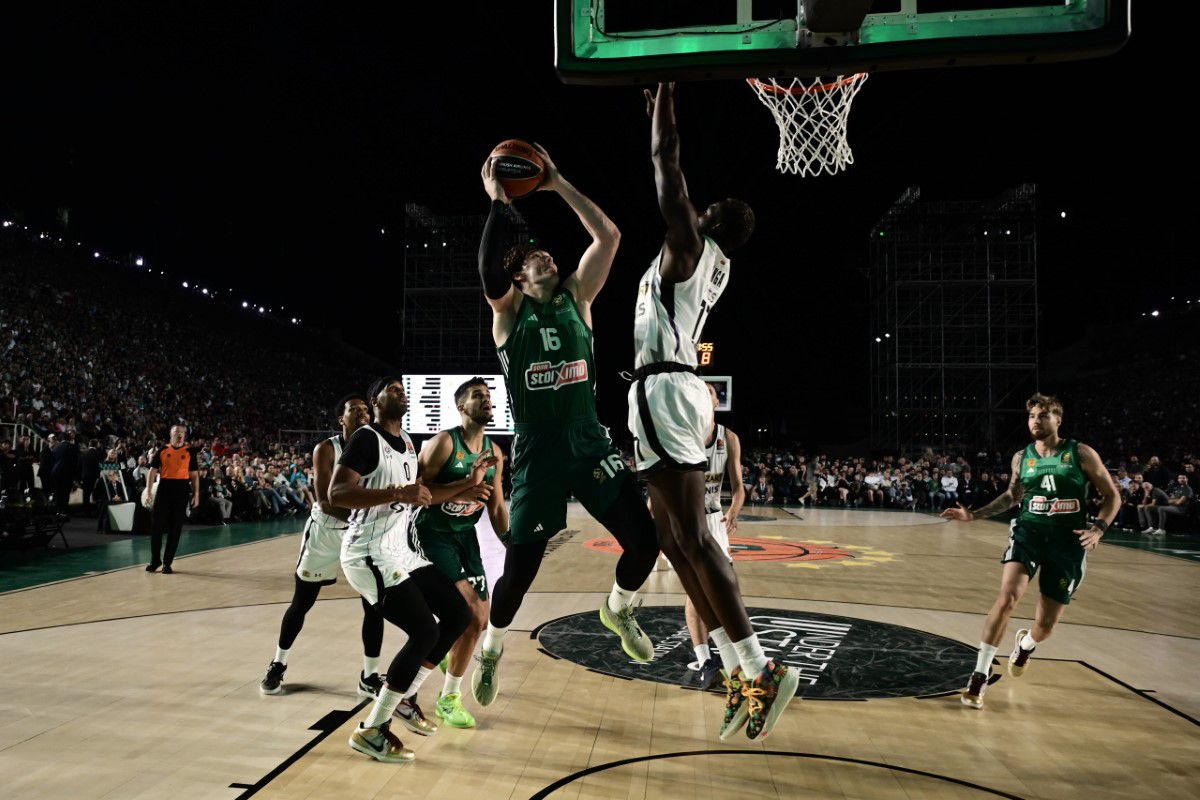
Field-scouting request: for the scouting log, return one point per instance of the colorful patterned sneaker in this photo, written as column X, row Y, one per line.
column 485, row 680
column 273, row 682
column 369, row 685
column 450, row 710
column 767, row 696
column 736, row 710
column 634, row 641
column 381, row 744
column 413, row 717
column 973, row 695
column 1019, row 657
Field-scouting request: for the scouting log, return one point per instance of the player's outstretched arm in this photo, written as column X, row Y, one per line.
column 1110, row 498
column 1005, row 501
column 683, row 244
column 737, row 489
column 587, row 281
column 498, row 288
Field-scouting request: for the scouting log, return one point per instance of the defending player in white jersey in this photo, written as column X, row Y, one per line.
column 670, row 415
column 320, row 554
column 724, row 451
column 376, row 477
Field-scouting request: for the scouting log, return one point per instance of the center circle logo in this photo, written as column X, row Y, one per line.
column 771, row 548
column 837, row 658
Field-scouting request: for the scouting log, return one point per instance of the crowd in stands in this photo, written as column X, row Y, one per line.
column 1151, row 491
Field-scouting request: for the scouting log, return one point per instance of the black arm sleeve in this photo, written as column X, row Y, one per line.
column 362, row 452
column 496, row 281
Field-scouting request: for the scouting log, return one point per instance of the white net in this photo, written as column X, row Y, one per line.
column 812, row 117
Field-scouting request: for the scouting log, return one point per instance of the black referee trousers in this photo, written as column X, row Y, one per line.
column 171, row 498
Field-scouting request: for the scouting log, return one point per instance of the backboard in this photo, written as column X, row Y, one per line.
column 634, row 41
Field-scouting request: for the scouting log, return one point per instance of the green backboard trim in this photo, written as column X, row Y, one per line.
column 586, row 53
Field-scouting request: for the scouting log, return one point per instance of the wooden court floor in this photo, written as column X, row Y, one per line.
column 129, row 685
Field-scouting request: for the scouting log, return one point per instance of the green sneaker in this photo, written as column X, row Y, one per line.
column 634, row 641
column 736, row 710
column 444, row 664
column 450, row 710
column 485, row 683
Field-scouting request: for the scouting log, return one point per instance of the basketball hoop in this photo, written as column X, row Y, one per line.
column 812, row 119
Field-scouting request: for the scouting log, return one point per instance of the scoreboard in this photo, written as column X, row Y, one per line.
column 431, row 403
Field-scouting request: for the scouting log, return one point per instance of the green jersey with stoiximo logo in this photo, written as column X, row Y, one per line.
column 456, row 516
column 1055, row 488
column 547, row 362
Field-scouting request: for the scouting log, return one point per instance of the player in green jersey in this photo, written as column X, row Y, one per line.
column 542, row 326
column 446, row 532
column 1050, row 535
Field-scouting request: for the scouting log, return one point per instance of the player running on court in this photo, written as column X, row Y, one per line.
column 724, row 452
column 671, row 413
column 447, row 530
column 542, row 326
column 376, row 477
column 320, row 555
column 1049, row 480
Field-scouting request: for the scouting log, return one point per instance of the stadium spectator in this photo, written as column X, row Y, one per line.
column 761, row 490
column 9, row 468
column 1179, row 497
column 949, row 490
column 27, row 456
column 89, row 474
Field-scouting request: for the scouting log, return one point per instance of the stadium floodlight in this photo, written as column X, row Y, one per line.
column 293, row 320
column 140, row 262
column 7, row 223
column 1062, row 214
column 96, row 254
column 382, row 232
column 245, row 304
column 185, row 284
column 887, row 336
column 205, row 291
column 1154, row 313
column 878, row 339
column 261, row 309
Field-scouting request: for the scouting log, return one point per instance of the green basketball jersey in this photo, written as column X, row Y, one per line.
column 1055, row 488
column 456, row 516
column 548, row 363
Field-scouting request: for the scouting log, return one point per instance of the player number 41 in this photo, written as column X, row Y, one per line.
column 1048, row 483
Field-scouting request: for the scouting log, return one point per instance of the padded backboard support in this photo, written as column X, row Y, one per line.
column 835, row 16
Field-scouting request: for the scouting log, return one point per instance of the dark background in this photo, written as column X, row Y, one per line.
column 263, row 147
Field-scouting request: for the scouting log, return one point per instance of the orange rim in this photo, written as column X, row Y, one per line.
column 814, row 89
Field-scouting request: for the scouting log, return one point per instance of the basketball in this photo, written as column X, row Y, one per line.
column 519, row 167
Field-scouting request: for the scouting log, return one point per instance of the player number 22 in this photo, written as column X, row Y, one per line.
column 1048, row 483
column 549, row 340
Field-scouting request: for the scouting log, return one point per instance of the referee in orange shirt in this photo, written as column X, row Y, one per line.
column 174, row 477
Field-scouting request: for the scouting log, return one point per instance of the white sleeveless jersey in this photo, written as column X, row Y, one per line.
column 669, row 318
column 714, row 473
column 395, row 520
column 318, row 516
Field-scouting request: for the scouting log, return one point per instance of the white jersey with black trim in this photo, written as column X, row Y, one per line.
column 714, row 473
column 393, row 521
column 670, row 317
column 318, row 516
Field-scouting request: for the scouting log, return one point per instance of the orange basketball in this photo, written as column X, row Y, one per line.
column 519, row 167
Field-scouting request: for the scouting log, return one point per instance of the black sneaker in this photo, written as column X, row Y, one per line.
column 152, row 567
column 167, row 569
column 273, row 682
column 710, row 674
column 369, row 685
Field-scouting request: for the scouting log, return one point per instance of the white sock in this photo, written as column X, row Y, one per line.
column 619, row 598
column 983, row 663
column 381, row 712
column 281, row 655
column 453, row 684
column 370, row 665
column 493, row 639
column 751, row 657
column 703, row 653
column 1027, row 642
column 729, row 656
column 415, row 686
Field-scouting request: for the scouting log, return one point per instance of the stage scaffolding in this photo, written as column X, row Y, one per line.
column 954, row 321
